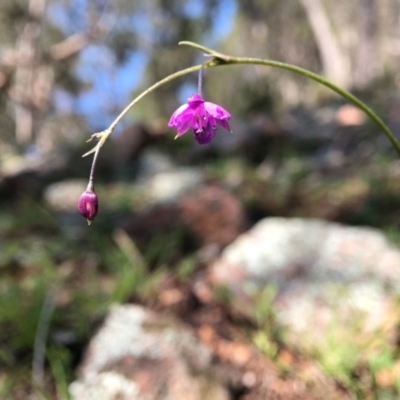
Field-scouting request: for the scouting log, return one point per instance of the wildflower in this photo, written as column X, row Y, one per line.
column 202, row 116
column 88, row 203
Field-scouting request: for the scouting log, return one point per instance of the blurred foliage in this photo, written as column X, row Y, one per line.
column 83, row 274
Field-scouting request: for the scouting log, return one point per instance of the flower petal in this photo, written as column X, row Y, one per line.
column 223, row 123
column 216, row 111
column 205, row 136
column 181, row 119
column 184, row 123
column 195, row 100
column 203, row 117
column 200, row 119
column 176, row 115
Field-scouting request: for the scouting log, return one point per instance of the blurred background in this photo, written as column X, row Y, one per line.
column 301, row 160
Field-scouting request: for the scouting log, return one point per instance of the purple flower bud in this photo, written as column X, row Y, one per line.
column 88, row 204
column 202, row 116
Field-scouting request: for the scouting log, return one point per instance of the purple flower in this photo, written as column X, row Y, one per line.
column 202, row 116
column 88, row 204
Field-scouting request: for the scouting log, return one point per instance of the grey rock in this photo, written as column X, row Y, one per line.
column 170, row 185
column 105, row 386
column 63, row 196
column 153, row 162
column 160, row 180
column 138, row 354
column 321, row 273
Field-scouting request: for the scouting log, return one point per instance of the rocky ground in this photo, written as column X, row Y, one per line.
column 263, row 267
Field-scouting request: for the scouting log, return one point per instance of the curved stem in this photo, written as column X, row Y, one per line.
column 344, row 93
column 218, row 59
column 206, row 50
column 224, row 60
column 152, row 88
column 92, row 169
column 103, row 136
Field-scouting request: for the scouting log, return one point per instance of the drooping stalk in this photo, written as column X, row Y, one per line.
column 218, row 59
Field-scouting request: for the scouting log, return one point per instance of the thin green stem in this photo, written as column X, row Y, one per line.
column 206, row 50
column 344, row 93
column 218, row 59
column 169, row 78
column 103, row 136
column 91, row 176
column 226, row 60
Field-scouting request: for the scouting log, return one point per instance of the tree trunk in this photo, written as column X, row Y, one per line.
column 367, row 61
column 25, row 74
column 335, row 64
